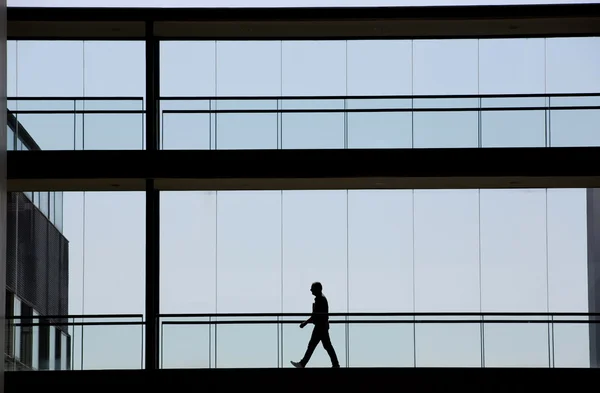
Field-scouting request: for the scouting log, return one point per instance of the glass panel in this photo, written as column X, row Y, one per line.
column 248, row 68
column 114, row 68
column 52, row 345
column 11, row 68
column 63, row 352
column 118, row 219
column 10, row 139
column 247, row 346
column 448, row 219
column 382, row 344
column 512, row 66
column 568, row 252
column 44, row 202
column 368, row 130
column 51, row 205
column 445, row 67
column 47, row 131
column 35, row 343
column 188, row 252
column 447, row 344
column 446, row 129
column 187, row 345
column 249, row 254
column 247, row 130
column 187, row 68
column 59, row 76
column 514, row 275
column 379, row 67
column 570, row 342
column 513, row 250
column 446, row 103
column 111, row 104
column 314, row 68
column 575, row 127
column 46, row 105
column 568, row 274
column 509, row 344
column 380, row 274
column 58, row 210
column 187, row 130
column 572, row 65
column 314, row 249
column 18, row 329
column 513, row 128
column 113, row 131
column 306, row 130
column 112, row 347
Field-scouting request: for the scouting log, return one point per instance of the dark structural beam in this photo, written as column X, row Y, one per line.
column 305, row 169
column 266, row 380
column 306, row 23
column 152, row 277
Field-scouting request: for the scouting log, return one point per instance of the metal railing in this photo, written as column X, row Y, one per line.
column 290, row 122
column 240, row 340
column 352, row 332
column 86, row 341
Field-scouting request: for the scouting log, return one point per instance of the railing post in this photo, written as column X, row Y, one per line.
column 152, row 203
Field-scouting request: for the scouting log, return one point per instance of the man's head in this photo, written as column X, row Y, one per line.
column 316, row 288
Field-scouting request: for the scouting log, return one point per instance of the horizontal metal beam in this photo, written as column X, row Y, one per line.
column 305, row 169
column 306, row 23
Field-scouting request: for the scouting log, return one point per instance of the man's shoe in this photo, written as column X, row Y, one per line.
column 336, row 366
column 297, row 364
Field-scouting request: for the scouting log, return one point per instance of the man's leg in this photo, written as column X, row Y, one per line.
column 326, row 340
column 312, row 344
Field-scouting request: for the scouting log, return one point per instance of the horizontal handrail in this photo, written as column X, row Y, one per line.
column 376, row 110
column 307, row 97
column 373, row 97
column 384, row 314
column 71, row 316
column 304, row 110
column 73, row 98
column 98, row 323
column 78, row 111
column 389, row 321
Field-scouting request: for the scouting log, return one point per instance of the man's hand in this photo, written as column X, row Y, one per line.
column 303, row 324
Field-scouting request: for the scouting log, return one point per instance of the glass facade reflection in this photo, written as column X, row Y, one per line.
column 394, row 251
column 387, row 251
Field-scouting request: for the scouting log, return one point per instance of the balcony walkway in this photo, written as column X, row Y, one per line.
column 306, row 380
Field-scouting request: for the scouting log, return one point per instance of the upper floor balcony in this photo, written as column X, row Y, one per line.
column 311, row 122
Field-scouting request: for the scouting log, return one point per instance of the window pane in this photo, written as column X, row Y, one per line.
column 188, row 253
column 379, row 67
column 380, row 275
column 514, row 274
column 314, row 249
column 314, row 68
column 447, row 275
column 248, row 68
column 445, row 67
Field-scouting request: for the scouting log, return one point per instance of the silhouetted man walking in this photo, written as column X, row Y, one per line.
column 320, row 319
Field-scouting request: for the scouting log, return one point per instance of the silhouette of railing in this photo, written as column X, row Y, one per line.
column 352, row 332
column 313, row 122
column 92, row 341
column 368, row 339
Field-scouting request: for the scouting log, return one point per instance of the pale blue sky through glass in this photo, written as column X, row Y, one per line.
column 392, row 250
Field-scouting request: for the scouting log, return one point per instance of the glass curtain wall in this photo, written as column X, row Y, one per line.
column 376, row 251
column 192, row 72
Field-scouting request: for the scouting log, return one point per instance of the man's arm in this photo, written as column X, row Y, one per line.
column 309, row 320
